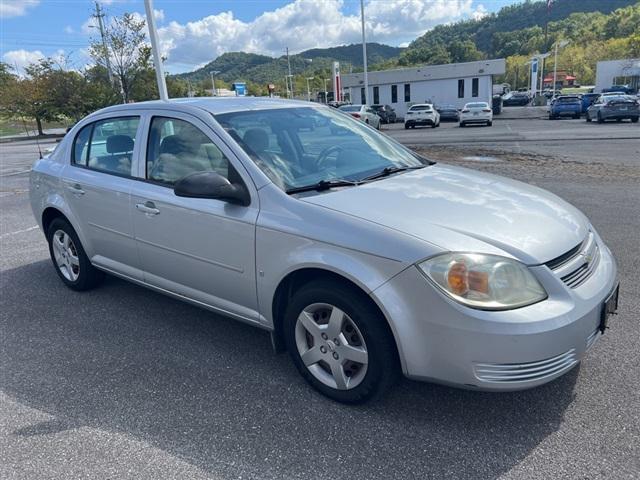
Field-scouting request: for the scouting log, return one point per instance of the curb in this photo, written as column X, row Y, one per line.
column 23, row 138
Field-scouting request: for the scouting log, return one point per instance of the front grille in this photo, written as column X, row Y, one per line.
column 578, row 264
column 525, row 372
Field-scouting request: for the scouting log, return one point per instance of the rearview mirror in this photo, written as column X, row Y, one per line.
column 211, row 185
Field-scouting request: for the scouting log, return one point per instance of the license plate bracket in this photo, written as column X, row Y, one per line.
column 609, row 307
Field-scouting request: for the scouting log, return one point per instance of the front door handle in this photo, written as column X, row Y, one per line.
column 76, row 189
column 148, row 208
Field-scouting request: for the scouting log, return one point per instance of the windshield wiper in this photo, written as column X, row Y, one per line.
column 386, row 171
column 322, row 185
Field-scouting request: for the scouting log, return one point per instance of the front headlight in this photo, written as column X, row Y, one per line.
column 486, row 282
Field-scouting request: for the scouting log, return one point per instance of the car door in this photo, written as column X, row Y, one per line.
column 97, row 183
column 202, row 249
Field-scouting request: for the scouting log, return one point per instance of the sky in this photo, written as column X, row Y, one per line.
column 194, row 32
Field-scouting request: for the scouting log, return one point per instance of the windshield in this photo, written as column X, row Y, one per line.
column 300, row 146
column 420, row 108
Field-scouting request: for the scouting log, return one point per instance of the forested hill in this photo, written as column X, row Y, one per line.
column 260, row 68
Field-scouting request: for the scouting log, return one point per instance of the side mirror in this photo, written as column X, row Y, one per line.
column 211, row 185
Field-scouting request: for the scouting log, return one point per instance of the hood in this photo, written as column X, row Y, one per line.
column 459, row 209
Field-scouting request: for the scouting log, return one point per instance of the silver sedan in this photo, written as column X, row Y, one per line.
column 363, row 259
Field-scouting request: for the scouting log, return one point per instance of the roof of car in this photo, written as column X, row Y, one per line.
column 217, row 105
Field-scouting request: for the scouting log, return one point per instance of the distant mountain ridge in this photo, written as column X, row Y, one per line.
column 252, row 67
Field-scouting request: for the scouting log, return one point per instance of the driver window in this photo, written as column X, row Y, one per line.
column 177, row 148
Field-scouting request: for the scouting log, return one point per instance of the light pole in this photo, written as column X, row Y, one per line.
column 561, row 44
column 364, row 55
column 153, row 36
column 287, row 79
column 326, row 94
column 213, row 82
column 309, row 89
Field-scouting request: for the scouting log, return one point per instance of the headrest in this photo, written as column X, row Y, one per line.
column 257, row 139
column 119, row 144
column 172, row 144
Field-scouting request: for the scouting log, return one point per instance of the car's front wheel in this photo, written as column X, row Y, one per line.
column 340, row 342
column 69, row 258
column 600, row 118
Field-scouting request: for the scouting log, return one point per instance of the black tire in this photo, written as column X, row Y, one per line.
column 634, row 119
column 588, row 118
column 462, row 125
column 383, row 365
column 576, row 117
column 600, row 119
column 490, row 123
column 406, row 126
column 88, row 276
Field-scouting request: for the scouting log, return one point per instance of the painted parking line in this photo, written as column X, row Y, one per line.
column 15, row 173
column 17, row 232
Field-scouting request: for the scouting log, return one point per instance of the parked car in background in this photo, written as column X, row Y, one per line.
column 588, row 99
column 565, row 106
column 516, row 99
column 614, row 107
column 626, row 89
column 421, row 114
column 448, row 113
column 476, row 113
column 386, row 113
column 362, row 259
column 363, row 113
column 337, row 104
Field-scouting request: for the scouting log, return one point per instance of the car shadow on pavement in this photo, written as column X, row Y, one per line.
column 210, row 391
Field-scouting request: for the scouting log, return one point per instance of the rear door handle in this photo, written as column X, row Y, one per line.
column 76, row 189
column 148, row 208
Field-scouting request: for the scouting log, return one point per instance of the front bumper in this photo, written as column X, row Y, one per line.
column 442, row 341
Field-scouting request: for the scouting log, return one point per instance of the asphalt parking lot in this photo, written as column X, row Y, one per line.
column 121, row 382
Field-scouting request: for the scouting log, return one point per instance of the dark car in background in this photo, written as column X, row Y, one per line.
column 625, row 89
column 588, row 99
column 385, row 112
column 448, row 113
column 565, row 106
column 614, row 107
column 516, row 99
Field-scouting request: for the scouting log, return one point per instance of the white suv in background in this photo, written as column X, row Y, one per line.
column 422, row 114
column 476, row 112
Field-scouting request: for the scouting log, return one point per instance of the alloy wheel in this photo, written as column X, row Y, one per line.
column 331, row 346
column 66, row 255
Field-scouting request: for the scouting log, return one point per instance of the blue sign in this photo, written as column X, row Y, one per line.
column 240, row 89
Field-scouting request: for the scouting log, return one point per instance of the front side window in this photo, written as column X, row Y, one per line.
column 394, row 93
column 300, row 146
column 407, row 92
column 177, row 148
column 376, row 94
column 107, row 145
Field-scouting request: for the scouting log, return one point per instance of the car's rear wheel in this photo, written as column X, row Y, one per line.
column 634, row 119
column 69, row 258
column 340, row 342
column 600, row 119
column 461, row 124
column 588, row 118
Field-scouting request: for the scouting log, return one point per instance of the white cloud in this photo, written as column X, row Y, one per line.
column 69, row 29
column 305, row 24
column 21, row 58
column 16, row 8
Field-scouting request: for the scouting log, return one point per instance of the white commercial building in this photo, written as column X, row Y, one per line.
column 618, row 72
column 451, row 84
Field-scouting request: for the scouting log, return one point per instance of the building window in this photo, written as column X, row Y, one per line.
column 394, row 93
column 461, row 88
column 376, row 95
column 363, row 97
column 475, row 87
column 407, row 92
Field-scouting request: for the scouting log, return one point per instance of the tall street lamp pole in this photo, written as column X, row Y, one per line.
column 214, row 93
column 309, row 89
column 153, row 36
column 326, row 94
column 560, row 44
column 364, row 55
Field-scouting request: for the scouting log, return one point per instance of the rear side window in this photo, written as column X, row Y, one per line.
column 81, row 146
column 177, row 148
column 107, row 145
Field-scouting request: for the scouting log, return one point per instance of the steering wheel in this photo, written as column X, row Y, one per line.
column 323, row 157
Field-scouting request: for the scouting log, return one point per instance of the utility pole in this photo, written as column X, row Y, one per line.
column 560, row 44
column 213, row 82
column 99, row 15
column 364, row 56
column 155, row 48
column 326, row 94
column 289, row 76
column 309, row 89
